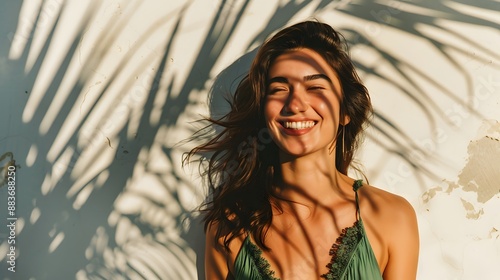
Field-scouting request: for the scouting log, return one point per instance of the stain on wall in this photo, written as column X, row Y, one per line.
column 481, row 173
column 6, row 160
column 460, row 221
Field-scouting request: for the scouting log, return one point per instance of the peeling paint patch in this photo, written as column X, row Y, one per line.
column 472, row 213
column 475, row 195
column 452, row 187
column 460, row 216
column 9, row 160
column 481, row 174
column 428, row 195
column 494, row 233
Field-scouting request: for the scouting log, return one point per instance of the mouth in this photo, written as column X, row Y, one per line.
column 298, row 125
column 297, row 128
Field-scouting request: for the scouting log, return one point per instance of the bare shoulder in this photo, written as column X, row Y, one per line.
column 388, row 215
column 393, row 231
column 385, row 204
column 219, row 261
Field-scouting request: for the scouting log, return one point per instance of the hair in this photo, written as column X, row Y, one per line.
column 243, row 161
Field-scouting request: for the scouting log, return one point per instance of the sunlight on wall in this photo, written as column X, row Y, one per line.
column 462, row 216
column 32, row 155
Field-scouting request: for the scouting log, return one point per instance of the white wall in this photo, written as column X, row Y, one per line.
column 95, row 96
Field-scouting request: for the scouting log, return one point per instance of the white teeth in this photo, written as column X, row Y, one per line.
column 299, row 125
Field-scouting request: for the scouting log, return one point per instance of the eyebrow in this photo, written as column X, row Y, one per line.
column 280, row 79
column 317, row 76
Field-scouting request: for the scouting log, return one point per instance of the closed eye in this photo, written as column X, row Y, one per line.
column 274, row 90
column 316, row 88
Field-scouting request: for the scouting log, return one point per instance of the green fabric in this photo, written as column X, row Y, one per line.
column 352, row 256
column 250, row 265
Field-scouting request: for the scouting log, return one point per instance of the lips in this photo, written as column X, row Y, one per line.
column 296, row 128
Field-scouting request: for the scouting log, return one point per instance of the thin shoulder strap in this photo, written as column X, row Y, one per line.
column 356, row 186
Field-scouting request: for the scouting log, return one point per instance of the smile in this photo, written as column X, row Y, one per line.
column 299, row 125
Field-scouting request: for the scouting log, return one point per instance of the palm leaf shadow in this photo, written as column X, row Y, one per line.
column 98, row 226
column 64, row 222
column 394, row 139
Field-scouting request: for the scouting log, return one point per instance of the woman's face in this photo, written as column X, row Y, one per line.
column 302, row 107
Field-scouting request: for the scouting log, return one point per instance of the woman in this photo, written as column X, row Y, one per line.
column 283, row 205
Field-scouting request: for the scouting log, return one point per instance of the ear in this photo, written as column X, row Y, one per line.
column 345, row 121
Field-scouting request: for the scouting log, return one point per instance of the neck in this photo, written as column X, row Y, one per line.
column 312, row 180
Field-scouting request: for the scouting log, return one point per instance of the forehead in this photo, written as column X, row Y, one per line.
column 300, row 62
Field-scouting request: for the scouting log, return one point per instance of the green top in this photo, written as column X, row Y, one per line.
column 352, row 256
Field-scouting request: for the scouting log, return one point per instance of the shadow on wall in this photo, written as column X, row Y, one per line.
column 93, row 201
column 421, row 20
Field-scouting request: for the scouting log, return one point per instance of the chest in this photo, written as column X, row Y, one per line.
column 301, row 249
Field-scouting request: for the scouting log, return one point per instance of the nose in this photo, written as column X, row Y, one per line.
column 296, row 102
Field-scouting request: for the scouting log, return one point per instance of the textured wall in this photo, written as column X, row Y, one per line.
column 96, row 95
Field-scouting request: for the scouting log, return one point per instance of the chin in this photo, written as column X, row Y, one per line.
column 295, row 151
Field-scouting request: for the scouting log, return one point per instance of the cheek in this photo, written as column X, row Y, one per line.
column 330, row 108
column 272, row 109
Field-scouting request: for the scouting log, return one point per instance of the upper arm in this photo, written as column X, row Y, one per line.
column 215, row 256
column 403, row 244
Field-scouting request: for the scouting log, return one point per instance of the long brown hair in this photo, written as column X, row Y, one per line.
column 243, row 159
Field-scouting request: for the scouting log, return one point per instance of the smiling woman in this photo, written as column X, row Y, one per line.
column 287, row 208
column 302, row 106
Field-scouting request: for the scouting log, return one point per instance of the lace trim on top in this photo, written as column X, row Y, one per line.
column 341, row 251
column 261, row 263
column 345, row 244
